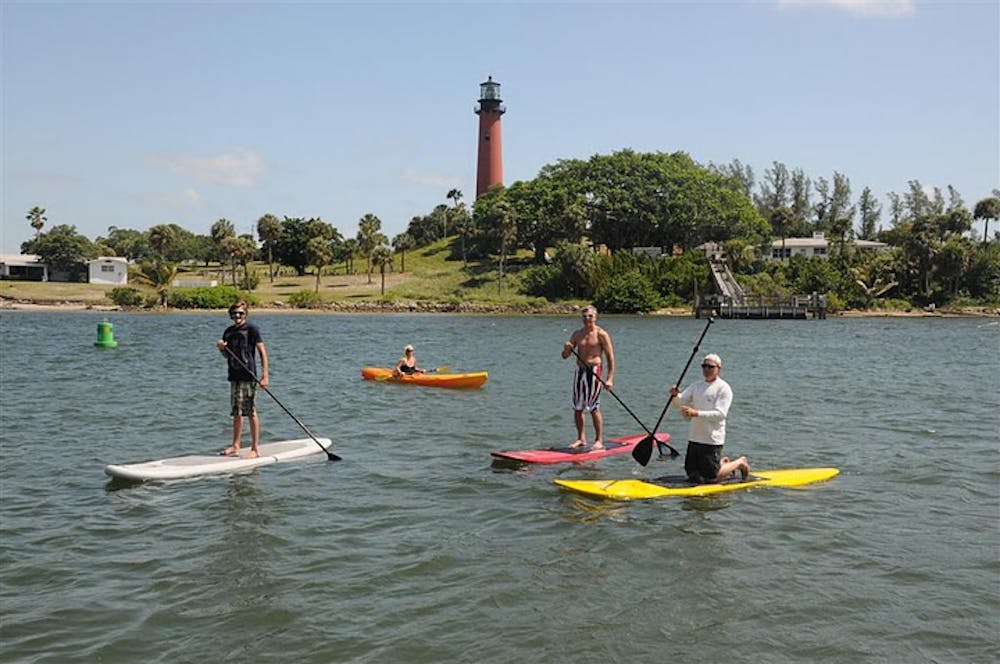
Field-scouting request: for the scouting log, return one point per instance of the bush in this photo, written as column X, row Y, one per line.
column 208, row 297
column 251, row 281
column 627, row 293
column 125, row 296
column 305, row 299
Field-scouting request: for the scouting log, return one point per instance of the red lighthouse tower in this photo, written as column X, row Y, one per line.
column 489, row 170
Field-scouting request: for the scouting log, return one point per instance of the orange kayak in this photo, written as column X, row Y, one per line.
column 456, row 380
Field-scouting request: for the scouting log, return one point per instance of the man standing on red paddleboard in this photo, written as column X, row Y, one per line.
column 592, row 345
column 243, row 340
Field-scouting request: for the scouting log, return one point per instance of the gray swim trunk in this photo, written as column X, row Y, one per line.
column 242, row 398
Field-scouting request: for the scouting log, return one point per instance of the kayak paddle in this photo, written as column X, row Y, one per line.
column 590, row 370
column 644, row 449
column 329, row 455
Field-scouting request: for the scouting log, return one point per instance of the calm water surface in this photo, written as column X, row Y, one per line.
column 418, row 548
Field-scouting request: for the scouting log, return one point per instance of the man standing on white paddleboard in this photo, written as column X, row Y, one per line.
column 243, row 340
column 591, row 344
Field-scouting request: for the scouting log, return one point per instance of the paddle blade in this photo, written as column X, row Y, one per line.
column 643, row 450
column 673, row 453
column 445, row 369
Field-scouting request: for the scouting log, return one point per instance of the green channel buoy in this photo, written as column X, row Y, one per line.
column 106, row 335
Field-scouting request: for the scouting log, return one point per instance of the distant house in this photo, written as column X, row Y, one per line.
column 24, row 267
column 108, row 270
column 817, row 245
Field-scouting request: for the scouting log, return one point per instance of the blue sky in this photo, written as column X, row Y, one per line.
column 132, row 115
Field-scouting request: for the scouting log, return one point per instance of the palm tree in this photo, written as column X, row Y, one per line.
column 221, row 232
column 401, row 243
column 269, row 231
column 318, row 253
column 159, row 274
column 454, row 195
column 986, row 209
column 781, row 218
column 381, row 257
column 36, row 217
column 370, row 236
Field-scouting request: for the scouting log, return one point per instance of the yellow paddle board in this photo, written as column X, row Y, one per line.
column 679, row 486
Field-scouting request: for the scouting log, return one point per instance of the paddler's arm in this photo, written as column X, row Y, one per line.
column 264, row 380
column 609, row 353
column 568, row 347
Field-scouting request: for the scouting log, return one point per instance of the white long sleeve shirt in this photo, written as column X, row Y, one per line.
column 712, row 401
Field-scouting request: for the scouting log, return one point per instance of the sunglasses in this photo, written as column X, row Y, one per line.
column 709, row 366
column 237, row 314
column 587, row 317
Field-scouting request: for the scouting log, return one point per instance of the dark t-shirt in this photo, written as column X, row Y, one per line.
column 242, row 340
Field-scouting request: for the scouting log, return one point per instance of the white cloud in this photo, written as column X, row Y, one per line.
column 187, row 199
column 239, row 168
column 431, row 179
column 862, row 8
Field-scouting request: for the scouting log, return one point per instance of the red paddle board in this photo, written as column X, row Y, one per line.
column 568, row 454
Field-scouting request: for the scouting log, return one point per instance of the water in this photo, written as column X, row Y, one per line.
column 418, row 548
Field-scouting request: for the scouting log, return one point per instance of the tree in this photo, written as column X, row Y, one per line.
column 382, row 256
column 159, row 274
column 243, row 249
column 370, row 236
column 494, row 213
column 224, row 235
column 781, row 219
column 986, row 209
column 401, row 243
column 169, row 241
column 127, row 243
column 801, row 203
column 269, row 231
column 63, row 250
column 870, row 210
column 36, row 217
column 319, row 253
column 774, row 190
column 349, row 248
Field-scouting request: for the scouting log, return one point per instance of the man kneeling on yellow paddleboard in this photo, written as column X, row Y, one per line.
column 706, row 404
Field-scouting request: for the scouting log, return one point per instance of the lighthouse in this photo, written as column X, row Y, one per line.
column 489, row 169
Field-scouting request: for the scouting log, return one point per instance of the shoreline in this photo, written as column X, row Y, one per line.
column 465, row 308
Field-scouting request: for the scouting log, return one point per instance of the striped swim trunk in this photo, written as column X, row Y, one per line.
column 587, row 388
column 242, row 398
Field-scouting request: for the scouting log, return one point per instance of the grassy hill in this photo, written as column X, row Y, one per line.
column 430, row 281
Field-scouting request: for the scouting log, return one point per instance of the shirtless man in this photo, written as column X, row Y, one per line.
column 591, row 343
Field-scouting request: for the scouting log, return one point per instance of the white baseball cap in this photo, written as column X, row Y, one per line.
column 712, row 358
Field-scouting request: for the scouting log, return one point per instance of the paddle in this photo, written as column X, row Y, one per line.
column 644, row 449
column 329, row 455
column 590, row 370
column 444, row 369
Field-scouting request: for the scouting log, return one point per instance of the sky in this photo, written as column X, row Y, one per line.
column 137, row 114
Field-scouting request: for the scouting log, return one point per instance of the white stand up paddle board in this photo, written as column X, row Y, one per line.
column 195, row 465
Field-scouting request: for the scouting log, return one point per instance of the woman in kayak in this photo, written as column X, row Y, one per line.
column 407, row 364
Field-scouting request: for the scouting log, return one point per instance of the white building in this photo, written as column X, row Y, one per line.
column 108, row 270
column 817, row 245
column 25, row 267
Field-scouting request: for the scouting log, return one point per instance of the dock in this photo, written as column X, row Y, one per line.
column 732, row 302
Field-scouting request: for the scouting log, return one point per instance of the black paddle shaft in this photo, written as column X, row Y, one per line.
column 591, row 371
column 644, row 449
column 329, row 455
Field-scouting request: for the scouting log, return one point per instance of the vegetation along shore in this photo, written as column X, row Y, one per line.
column 629, row 232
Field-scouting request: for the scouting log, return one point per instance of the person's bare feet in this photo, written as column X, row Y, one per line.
column 232, row 450
column 598, row 445
column 253, row 454
column 577, row 443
